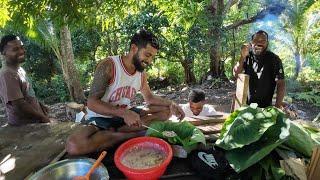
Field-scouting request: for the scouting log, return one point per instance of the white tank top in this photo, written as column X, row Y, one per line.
column 121, row 89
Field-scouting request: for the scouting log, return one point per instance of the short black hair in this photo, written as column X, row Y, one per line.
column 197, row 95
column 5, row 39
column 143, row 37
column 260, row 32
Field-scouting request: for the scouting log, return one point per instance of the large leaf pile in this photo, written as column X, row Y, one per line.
column 187, row 134
column 250, row 134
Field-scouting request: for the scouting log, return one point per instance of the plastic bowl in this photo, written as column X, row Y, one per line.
column 142, row 174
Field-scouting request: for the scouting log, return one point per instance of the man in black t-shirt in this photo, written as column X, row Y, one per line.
column 265, row 71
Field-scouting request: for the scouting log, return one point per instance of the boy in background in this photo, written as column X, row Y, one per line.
column 197, row 105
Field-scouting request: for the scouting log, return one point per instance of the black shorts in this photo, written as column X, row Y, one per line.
column 114, row 122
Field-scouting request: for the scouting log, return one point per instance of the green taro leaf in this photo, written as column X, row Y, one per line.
column 247, row 155
column 245, row 126
column 302, row 140
column 187, row 134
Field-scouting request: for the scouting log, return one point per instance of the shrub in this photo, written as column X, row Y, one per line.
column 52, row 91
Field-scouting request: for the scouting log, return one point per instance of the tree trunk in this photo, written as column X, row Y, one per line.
column 70, row 73
column 216, row 66
column 115, row 44
column 109, row 44
column 297, row 57
column 189, row 76
column 93, row 59
column 234, row 50
column 215, row 34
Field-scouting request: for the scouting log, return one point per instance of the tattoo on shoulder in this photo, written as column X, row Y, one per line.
column 101, row 79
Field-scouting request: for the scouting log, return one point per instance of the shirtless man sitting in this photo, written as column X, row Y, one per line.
column 116, row 81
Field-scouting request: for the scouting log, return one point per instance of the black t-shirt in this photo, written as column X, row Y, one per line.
column 264, row 71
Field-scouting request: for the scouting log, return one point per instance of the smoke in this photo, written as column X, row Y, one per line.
column 268, row 20
column 280, row 42
column 270, row 23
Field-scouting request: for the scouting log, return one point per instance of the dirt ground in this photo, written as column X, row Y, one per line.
column 219, row 95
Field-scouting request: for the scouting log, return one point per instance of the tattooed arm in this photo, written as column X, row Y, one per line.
column 102, row 76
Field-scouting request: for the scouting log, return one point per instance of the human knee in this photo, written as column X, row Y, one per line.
column 72, row 146
column 165, row 115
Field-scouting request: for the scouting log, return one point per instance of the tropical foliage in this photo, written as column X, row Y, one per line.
column 66, row 39
column 252, row 136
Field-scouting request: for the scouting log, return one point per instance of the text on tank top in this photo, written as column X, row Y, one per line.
column 124, row 86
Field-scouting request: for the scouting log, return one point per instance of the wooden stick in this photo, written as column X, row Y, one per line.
column 313, row 162
column 59, row 156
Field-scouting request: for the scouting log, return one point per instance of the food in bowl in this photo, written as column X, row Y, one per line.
column 140, row 157
column 152, row 173
column 169, row 133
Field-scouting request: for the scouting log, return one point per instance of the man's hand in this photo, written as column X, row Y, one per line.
column 280, row 93
column 238, row 68
column 245, row 50
column 176, row 110
column 132, row 119
column 279, row 105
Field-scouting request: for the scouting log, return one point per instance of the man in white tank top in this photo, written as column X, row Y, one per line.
column 116, row 81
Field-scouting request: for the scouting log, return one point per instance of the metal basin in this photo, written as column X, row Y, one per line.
column 69, row 168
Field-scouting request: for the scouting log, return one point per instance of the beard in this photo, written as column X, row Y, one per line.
column 16, row 59
column 259, row 50
column 196, row 114
column 137, row 63
column 21, row 59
